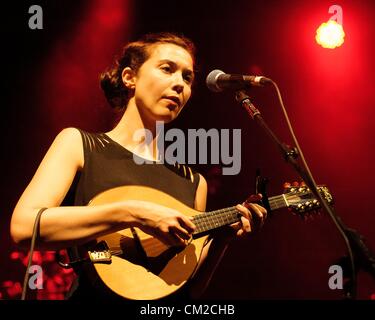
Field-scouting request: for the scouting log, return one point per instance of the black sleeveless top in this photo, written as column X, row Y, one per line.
column 107, row 165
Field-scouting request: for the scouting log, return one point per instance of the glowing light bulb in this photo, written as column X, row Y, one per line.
column 330, row 35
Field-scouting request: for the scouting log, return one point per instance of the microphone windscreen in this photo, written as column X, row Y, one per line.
column 211, row 80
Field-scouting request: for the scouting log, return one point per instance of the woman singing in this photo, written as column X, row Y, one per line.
column 151, row 81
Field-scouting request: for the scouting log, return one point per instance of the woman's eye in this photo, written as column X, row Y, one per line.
column 166, row 68
column 188, row 79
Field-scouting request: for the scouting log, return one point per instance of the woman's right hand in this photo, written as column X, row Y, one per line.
column 168, row 225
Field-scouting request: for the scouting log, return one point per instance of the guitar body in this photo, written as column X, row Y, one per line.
column 144, row 268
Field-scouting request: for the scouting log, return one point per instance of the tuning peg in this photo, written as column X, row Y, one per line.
column 286, row 185
column 308, row 203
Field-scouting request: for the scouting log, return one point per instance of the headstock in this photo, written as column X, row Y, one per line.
column 301, row 200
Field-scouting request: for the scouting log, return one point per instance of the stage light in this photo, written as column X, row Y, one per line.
column 330, row 35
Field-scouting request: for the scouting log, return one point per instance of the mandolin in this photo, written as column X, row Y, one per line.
column 138, row 266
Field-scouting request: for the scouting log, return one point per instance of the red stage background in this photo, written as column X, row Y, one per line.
column 51, row 82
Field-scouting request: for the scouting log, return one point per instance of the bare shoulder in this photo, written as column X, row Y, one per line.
column 69, row 142
column 202, row 183
column 69, row 136
column 69, row 133
column 54, row 175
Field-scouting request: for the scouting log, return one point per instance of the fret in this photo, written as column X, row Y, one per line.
column 215, row 219
column 277, row 202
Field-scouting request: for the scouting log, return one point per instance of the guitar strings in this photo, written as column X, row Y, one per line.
column 214, row 219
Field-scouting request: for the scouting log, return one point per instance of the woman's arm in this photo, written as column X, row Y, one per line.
column 61, row 227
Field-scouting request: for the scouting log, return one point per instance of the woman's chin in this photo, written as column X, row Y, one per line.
column 166, row 119
column 165, row 116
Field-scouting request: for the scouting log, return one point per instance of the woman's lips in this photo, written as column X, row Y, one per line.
column 173, row 104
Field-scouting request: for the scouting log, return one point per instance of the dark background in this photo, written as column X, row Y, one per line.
column 50, row 81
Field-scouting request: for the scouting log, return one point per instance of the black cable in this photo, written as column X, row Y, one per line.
column 33, row 239
column 335, row 219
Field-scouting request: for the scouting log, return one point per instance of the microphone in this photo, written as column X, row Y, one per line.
column 217, row 81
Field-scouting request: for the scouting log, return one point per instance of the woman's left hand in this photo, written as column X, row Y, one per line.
column 253, row 216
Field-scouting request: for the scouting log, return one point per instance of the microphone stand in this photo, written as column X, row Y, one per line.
column 362, row 257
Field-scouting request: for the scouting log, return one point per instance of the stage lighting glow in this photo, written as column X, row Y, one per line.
column 330, row 34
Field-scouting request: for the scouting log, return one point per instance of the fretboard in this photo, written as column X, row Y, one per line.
column 212, row 220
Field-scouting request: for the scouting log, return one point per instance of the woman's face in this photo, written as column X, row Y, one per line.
column 163, row 83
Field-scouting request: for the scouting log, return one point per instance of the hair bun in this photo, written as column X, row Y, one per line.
column 113, row 88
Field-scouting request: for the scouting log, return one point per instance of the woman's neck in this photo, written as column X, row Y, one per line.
column 130, row 133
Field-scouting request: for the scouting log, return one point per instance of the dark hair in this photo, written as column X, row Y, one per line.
column 134, row 55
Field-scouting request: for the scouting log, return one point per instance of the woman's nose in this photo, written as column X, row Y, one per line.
column 178, row 83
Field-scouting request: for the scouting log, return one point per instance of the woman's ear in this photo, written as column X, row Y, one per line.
column 128, row 78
